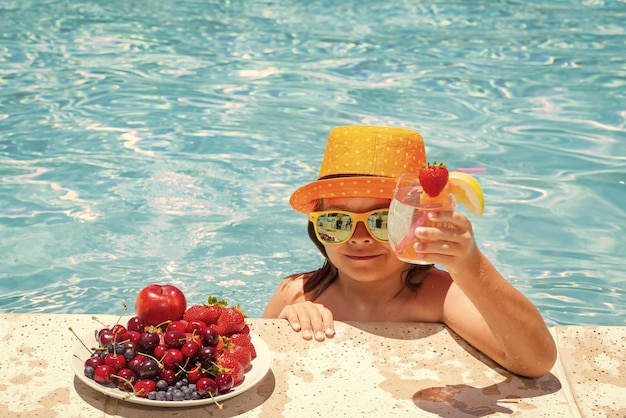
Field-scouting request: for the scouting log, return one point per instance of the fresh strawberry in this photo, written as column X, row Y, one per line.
column 232, row 366
column 241, row 353
column 195, row 313
column 433, row 178
column 213, row 314
column 230, row 321
column 244, row 340
column 207, row 313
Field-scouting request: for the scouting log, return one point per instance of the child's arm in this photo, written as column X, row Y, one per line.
column 483, row 307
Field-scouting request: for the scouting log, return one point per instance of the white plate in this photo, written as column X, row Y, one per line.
column 260, row 366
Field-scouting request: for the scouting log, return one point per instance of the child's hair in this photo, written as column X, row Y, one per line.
column 317, row 281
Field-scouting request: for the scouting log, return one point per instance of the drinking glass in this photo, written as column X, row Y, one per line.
column 408, row 210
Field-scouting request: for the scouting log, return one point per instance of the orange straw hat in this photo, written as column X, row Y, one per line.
column 362, row 161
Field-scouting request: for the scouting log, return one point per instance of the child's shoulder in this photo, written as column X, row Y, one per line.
column 293, row 285
column 436, row 281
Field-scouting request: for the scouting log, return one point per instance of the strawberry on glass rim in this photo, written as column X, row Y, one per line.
column 433, row 178
column 439, row 183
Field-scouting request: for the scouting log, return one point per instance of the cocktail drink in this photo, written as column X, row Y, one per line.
column 409, row 209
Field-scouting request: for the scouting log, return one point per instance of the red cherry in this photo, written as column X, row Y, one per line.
column 224, row 382
column 210, row 336
column 207, row 355
column 94, row 361
column 129, row 345
column 103, row 373
column 118, row 330
column 196, row 374
column 117, row 361
column 169, row 376
column 172, row 359
column 136, row 362
column 196, row 327
column 160, row 350
column 149, row 369
column 206, row 387
column 174, row 339
column 144, row 387
column 132, row 336
column 123, row 377
column 148, row 341
column 177, row 326
column 105, row 336
column 135, row 324
column 190, row 349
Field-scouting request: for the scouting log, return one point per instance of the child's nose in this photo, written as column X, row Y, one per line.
column 361, row 233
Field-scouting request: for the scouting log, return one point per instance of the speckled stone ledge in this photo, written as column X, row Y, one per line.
column 368, row 369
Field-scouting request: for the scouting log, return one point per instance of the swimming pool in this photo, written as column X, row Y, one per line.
column 147, row 142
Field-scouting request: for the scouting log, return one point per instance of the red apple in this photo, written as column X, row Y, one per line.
column 157, row 303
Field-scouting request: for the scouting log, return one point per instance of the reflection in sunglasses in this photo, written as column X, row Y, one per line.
column 336, row 227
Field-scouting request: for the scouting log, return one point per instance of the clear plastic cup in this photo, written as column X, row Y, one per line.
column 409, row 209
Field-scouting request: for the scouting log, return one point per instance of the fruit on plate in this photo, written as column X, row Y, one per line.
column 180, row 358
column 157, row 304
column 208, row 312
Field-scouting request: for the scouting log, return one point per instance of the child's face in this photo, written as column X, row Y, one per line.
column 363, row 258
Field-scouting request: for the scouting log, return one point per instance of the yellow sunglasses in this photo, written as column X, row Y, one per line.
column 337, row 226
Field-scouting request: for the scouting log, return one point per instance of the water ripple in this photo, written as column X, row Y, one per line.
column 144, row 143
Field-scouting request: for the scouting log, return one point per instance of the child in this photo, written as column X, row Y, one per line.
column 363, row 280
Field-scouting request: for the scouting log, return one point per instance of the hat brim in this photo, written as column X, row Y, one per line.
column 303, row 199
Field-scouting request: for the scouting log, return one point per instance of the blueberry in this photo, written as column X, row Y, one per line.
column 178, row 395
column 89, row 372
column 162, row 385
column 129, row 354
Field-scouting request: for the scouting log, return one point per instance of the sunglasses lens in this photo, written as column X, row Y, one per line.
column 377, row 224
column 334, row 227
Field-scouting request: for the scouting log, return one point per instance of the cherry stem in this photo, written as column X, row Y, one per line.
column 164, row 323
column 122, row 314
column 93, row 318
column 128, row 382
column 159, row 362
column 219, row 405
column 81, row 341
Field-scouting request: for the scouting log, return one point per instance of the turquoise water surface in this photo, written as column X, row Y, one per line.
column 150, row 141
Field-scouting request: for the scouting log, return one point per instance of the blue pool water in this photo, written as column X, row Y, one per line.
column 150, row 141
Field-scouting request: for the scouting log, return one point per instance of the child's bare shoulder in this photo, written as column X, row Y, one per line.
column 290, row 291
column 293, row 286
column 435, row 284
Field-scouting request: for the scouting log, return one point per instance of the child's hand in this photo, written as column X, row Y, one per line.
column 312, row 319
column 452, row 247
